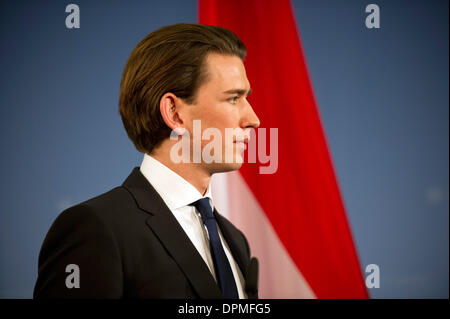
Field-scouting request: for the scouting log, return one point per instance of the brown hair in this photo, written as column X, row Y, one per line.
column 170, row 59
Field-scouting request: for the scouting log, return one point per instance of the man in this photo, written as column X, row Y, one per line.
column 158, row 235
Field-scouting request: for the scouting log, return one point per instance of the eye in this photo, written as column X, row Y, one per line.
column 233, row 100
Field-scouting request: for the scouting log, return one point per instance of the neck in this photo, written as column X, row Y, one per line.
column 194, row 173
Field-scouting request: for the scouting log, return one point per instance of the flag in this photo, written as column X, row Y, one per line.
column 294, row 219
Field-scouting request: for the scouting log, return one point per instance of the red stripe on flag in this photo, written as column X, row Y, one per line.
column 302, row 199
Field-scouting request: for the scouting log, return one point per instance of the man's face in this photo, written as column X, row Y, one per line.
column 221, row 103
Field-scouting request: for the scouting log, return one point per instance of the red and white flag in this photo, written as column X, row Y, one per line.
column 295, row 218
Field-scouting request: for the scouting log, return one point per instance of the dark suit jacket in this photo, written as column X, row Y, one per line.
column 128, row 244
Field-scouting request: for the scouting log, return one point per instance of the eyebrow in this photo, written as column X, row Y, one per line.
column 238, row 91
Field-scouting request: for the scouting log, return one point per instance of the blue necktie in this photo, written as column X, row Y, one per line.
column 222, row 267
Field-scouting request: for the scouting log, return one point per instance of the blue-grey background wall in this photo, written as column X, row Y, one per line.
column 382, row 94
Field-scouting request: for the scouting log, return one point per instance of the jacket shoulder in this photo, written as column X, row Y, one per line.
column 116, row 197
column 82, row 235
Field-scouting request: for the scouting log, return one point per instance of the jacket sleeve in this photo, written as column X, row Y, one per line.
column 79, row 258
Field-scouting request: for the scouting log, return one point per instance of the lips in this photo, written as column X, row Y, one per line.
column 242, row 143
column 244, row 140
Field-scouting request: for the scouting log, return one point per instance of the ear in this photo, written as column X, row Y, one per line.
column 169, row 107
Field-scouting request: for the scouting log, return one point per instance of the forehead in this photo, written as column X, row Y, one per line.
column 226, row 72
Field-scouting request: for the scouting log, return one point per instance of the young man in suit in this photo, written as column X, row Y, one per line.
column 158, row 235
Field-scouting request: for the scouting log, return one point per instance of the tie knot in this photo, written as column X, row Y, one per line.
column 204, row 208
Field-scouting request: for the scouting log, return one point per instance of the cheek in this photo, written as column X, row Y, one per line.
column 219, row 116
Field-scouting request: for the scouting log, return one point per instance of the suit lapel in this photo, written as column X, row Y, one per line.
column 230, row 235
column 172, row 236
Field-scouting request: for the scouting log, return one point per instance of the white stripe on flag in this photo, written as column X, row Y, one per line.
column 278, row 275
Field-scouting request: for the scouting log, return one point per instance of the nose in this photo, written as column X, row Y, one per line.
column 249, row 118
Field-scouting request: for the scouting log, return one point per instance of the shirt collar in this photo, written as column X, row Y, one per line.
column 174, row 189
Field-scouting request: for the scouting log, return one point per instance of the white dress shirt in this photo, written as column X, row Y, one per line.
column 178, row 193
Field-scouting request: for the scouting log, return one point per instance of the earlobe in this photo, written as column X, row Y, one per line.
column 179, row 130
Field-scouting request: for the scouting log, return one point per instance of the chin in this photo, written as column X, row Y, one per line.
column 224, row 167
